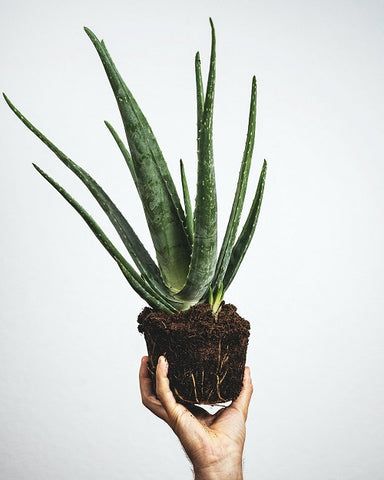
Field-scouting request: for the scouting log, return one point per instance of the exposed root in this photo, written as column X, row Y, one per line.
column 224, row 360
column 209, row 395
column 180, row 397
column 194, row 387
column 218, row 389
column 222, row 377
column 152, row 355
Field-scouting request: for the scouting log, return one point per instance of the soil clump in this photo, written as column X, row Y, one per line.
column 206, row 354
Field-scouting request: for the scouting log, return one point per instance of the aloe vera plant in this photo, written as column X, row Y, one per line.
column 204, row 338
column 189, row 268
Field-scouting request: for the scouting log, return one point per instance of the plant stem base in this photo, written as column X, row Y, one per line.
column 206, row 354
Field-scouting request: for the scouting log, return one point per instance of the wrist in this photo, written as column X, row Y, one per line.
column 224, row 471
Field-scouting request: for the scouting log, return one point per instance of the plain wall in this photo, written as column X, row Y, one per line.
column 311, row 283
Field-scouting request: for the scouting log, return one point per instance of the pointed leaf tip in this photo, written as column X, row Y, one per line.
column 90, row 34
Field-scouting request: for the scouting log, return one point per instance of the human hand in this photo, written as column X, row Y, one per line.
column 214, row 443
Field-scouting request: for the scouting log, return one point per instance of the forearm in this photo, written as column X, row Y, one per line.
column 227, row 469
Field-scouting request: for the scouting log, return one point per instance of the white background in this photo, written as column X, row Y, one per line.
column 311, row 283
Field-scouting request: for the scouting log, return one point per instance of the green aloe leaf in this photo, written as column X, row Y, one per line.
column 199, row 90
column 136, row 282
column 123, row 150
column 216, row 300
column 139, row 254
column 203, row 259
column 187, row 201
column 164, row 214
column 245, row 237
column 237, row 206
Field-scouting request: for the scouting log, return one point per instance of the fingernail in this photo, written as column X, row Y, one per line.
column 163, row 360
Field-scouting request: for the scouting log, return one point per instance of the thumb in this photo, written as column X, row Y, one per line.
column 164, row 394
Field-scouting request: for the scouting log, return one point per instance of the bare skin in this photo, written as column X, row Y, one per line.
column 214, row 443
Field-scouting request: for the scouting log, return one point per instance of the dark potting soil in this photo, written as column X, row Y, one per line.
column 206, row 355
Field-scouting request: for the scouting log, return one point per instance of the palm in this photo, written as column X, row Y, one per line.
column 200, row 431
